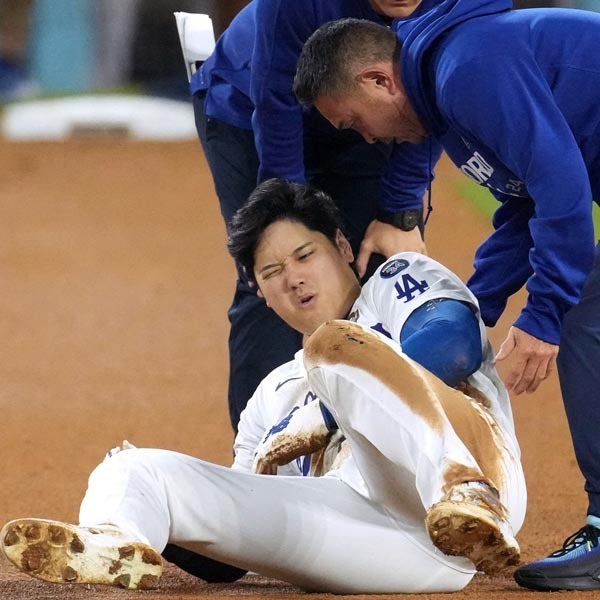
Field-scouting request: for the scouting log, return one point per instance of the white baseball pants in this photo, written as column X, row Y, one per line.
column 321, row 533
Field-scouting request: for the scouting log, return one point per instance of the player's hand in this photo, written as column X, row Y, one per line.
column 302, row 432
column 125, row 445
column 529, row 360
column 386, row 239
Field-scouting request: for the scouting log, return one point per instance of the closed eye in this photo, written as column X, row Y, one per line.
column 305, row 255
column 271, row 273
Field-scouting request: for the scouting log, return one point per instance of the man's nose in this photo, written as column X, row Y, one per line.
column 366, row 136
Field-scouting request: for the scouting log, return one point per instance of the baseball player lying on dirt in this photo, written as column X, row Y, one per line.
column 422, row 483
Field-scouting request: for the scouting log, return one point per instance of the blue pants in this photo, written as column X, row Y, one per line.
column 341, row 164
column 579, row 374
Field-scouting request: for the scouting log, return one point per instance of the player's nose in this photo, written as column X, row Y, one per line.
column 295, row 278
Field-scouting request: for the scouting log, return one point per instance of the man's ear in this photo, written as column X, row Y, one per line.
column 344, row 246
column 379, row 76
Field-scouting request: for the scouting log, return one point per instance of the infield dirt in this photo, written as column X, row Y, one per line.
column 115, row 284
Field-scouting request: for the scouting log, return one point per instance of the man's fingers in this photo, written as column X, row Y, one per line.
column 551, row 366
column 502, row 353
column 544, row 370
column 527, row 380
column 506, row 348
column 516, row 363
column 362, row 259
column 530, row 361
column 515, row 375
column 536, row 370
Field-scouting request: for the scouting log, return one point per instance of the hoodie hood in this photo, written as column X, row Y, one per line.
column 419, row 34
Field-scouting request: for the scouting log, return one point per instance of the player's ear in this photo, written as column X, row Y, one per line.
column 253, row 284
column 344, row 246
column 261, row 295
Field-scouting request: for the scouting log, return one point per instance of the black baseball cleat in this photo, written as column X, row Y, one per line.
column 576, row 566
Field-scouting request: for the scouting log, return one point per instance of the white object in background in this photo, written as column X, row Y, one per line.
column 136, row 117
column 197, row 38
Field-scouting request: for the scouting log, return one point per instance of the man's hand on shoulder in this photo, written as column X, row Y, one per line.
column 529, row 361
column 386, row 239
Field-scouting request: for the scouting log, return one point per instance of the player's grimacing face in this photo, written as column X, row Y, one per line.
column 303, row 276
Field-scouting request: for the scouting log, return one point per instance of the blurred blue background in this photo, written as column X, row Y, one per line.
column 72, row 46
column 50, row 47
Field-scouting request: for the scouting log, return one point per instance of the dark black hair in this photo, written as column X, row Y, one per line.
column 335, row 52
column 277, row 200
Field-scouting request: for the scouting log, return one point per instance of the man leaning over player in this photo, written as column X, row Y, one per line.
column 522, row 119
column 422, row 483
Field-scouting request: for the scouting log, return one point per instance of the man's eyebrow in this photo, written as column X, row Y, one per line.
column 274, row 265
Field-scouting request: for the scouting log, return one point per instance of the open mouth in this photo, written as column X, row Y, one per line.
column 305, row 300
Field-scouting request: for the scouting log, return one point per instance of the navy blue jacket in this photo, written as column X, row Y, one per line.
column 249, row 80
column 514, row 98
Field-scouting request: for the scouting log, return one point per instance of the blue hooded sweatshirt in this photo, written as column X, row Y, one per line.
column 249, row 79
column 514, row 98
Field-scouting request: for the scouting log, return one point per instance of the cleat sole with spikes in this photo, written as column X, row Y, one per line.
column 63, row 553
column 461, row 529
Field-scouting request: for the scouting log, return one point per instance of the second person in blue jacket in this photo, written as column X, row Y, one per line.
column 252, row 128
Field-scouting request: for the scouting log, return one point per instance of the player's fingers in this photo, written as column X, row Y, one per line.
column 257, row 463
column 260, row 466
column 268, row 469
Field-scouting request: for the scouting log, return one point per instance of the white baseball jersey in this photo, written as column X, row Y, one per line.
column 404, row 283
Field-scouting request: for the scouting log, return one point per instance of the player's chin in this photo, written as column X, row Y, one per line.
column 311, row 326
column 306, row 326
